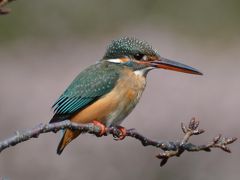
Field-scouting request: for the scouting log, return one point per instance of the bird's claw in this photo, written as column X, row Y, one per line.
column 121, row 134
column 102, row 127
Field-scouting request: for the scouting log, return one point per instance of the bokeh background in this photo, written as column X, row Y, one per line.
column 45, row 44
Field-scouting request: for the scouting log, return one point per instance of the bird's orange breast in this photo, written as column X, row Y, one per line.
column 117, row 104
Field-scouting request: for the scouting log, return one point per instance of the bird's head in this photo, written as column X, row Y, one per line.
column 141, row 57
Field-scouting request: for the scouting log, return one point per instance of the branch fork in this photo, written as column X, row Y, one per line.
column 192, row 129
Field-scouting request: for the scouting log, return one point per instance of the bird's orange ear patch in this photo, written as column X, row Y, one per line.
column 124, row 60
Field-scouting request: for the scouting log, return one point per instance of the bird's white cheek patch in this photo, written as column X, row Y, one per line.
column 115, row 60
column 119, row 60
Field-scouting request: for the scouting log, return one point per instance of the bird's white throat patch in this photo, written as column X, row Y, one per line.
column 142, row 72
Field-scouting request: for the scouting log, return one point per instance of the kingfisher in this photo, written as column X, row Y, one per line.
column 107, row 91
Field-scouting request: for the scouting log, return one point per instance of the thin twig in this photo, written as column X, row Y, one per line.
column 169, row 149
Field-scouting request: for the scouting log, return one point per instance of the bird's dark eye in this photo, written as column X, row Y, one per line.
column 138, row 56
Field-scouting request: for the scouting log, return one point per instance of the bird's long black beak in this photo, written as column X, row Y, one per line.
column 164, row 63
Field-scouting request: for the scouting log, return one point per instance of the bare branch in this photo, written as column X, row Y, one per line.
column 170, row 149
column 189, row 131
column 3, row 9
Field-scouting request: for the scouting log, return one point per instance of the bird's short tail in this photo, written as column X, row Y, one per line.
column 68, row 136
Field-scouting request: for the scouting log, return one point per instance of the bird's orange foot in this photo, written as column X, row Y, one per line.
column 102, row 127
column 122, row 133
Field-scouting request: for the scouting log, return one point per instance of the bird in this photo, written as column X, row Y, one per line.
column 106, row 92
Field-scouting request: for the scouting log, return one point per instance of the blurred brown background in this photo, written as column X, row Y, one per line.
column 45, row 44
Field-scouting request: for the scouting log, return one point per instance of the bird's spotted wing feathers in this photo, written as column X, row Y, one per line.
column 87, row 87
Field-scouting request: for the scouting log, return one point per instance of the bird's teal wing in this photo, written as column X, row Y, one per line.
column 86, row 88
